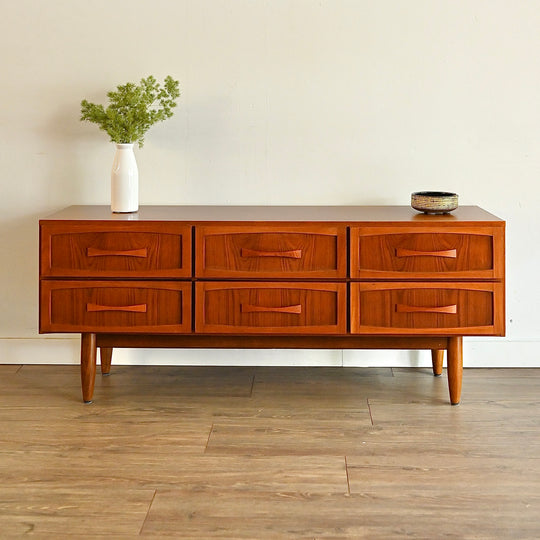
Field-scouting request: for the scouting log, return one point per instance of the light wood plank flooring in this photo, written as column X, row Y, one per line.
column 269, row 453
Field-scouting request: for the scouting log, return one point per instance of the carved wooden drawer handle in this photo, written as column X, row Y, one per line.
column 449, row 253
column 138, row 308
column 94, row 252
column 293, row 254
column 402, row 308
column 247, row 308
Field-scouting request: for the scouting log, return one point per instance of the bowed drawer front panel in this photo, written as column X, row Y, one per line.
column 405, row 252
column 266, row 307
column 120, row 306
column 429, row 308
column 115, row 249
column 271, row 251
column 272, row 277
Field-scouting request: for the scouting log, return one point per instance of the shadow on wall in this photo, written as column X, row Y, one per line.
column 19, row 276
column 77, row 167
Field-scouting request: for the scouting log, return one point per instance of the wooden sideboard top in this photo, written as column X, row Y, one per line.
column 349, row 214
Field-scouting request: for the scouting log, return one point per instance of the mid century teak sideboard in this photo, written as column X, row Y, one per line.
column 351, row 277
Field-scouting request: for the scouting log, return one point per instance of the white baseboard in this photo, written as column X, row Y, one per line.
column 478, row 352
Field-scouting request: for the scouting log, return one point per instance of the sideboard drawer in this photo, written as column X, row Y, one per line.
column 278, row 308
column 388, row 252
column 121, row 249
column 101, row 306
column 427, row 308
column 271, row 251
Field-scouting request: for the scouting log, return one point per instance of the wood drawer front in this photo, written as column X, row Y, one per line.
column 386, row 253
column 271, row 251
column 115, row 250
column 101, row 306
column 271, row 308
column 427, row 308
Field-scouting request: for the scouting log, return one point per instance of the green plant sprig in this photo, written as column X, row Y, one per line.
column 133, row 109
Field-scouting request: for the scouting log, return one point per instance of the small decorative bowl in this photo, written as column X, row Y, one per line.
column 434, row 202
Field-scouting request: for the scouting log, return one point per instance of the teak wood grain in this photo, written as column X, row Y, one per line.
column 413, row 307
column 106, row 306
column 270, row 341
column 115, row 249
column 247, row 307
column 271, row 251
column 405, row 252
column 279, row 277
column 291, row 215
column 437, row 360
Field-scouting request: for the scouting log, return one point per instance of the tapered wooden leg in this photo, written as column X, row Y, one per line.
column 88, row 365
column 455, row 368
column 437, row 357
column 105, row 354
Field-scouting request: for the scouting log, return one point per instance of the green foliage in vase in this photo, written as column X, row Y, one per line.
column 133, row 109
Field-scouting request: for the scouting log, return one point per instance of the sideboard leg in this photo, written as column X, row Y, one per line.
column 437, row 357
column 455, row 368
column 88, row 365
column 105, row 354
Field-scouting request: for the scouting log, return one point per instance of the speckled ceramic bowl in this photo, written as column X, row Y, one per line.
column 434, row 202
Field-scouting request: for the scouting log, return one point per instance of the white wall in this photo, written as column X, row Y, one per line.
column 283, row 102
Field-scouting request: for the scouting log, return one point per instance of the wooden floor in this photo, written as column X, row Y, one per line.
column 269, row 453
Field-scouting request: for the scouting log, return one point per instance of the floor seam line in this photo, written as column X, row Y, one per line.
column 208, row 440
column 148, row 512
column 347, row 475
column 369, row 409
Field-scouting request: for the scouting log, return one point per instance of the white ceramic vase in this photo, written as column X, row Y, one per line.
column 124, row 180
